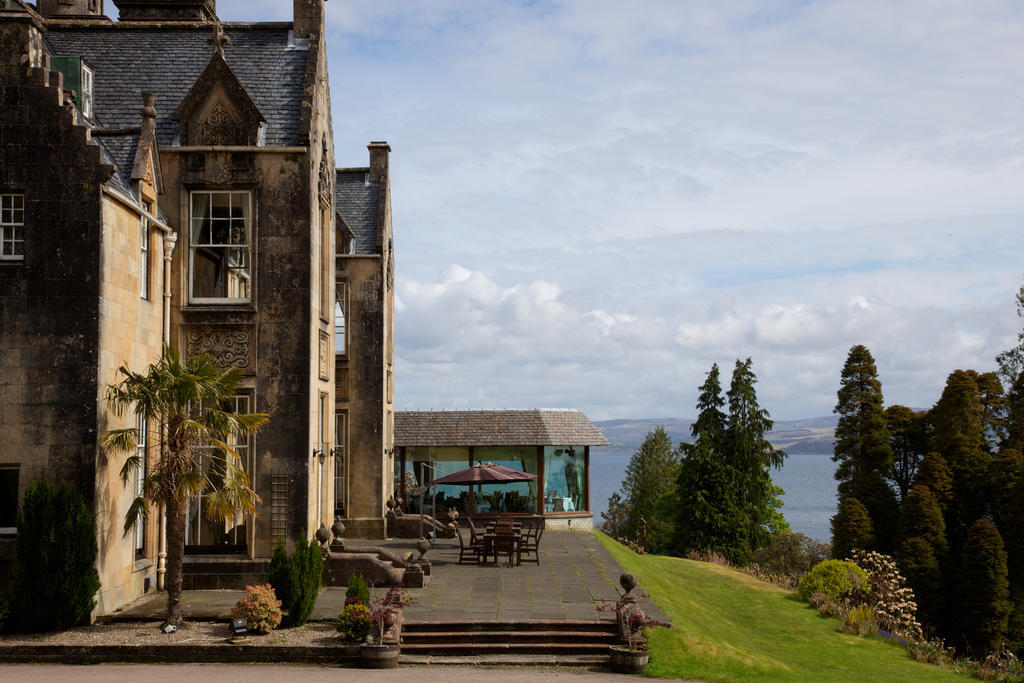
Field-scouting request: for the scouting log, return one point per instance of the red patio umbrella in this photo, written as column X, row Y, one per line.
column 487, row 473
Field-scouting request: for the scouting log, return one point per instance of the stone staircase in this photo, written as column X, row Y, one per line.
column 553, row 642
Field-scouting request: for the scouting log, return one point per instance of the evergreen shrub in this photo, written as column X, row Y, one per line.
column 297, row 580
column 56, row 580
column 834, row 579
column 358, row 589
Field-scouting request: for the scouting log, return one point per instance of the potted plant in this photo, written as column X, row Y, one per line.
column 386, row 614
column 630, row 656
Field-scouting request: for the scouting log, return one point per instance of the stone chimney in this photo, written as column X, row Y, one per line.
column 167, row 10
column 309, row 17
column 379, row 159
column 71, row 9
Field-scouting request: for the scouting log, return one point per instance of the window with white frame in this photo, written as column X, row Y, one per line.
column 340, row 308
column 144, row 257
column 86, row 92
column 220, row 248
column 12, row 227
column 140, row 478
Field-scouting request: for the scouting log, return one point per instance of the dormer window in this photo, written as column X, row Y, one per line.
column 78, row 78
column 86, row 97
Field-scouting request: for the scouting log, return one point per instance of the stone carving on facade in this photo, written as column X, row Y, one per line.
column 325, row 355
column 219, row 128
column 369, row 298
column 227, row 348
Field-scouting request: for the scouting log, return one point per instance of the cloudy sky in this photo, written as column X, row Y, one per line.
column 595, row 200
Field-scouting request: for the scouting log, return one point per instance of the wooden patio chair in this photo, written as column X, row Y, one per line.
column 531, row 541
column 505, row 541
column 474, row 537
column 471, row 550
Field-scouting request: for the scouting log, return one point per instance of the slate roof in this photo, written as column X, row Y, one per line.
column 356, row 199
column 119, row 151
column 166, row 59
column 496, row 428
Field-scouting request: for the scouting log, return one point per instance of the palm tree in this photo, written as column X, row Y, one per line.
column 187, row 403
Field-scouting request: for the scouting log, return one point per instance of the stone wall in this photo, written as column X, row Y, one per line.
column 49, row 302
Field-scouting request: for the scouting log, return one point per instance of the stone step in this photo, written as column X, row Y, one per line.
column 474, row 648
column 588, row 625
column 442, row 637
column 594, row 662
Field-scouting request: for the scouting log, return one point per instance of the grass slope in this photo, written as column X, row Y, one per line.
column 728, row 626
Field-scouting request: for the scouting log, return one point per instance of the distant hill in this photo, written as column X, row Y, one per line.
column 812, row 435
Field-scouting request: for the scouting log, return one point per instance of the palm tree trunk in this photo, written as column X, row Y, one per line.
column 176, row 513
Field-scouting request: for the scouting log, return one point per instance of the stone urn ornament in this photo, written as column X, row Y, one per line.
column 338, row 529
column 323, row 537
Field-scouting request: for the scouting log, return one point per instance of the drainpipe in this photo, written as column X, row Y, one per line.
column 170, row 239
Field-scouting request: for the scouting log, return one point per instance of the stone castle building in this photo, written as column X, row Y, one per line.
column 169, row 178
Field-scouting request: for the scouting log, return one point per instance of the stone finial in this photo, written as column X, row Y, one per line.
column 423, row 545
column 390, row 503
column 148, row 111
column 338, row 528
column 219, row 39
column 453, row 514
column 627, row 581
column 323, row 537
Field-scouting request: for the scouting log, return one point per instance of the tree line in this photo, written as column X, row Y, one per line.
column 942, row 490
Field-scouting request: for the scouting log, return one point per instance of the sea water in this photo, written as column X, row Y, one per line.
column 808, row 479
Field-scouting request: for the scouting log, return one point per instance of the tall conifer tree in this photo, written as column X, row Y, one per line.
column 651, row 474
column 707, row 510
column 862, row 445
column 751, row 455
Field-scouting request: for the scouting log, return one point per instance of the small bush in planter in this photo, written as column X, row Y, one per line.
column 354, row 622
column 358, row 589
column 834, row 579
column 260, row 608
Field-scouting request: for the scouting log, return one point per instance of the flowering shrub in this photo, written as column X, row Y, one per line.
column 891, row 601
column 354, row 622
column 835, row 579
column 260, row 608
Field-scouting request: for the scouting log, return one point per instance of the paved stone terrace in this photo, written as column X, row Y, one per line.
column 575, row 571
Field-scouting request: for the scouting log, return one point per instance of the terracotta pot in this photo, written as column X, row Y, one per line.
column 627, row 661
column 375, row 656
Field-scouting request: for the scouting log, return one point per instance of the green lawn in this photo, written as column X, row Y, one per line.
column 728, row 626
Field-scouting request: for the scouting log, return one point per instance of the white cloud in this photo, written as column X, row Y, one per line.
column 594, row 201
